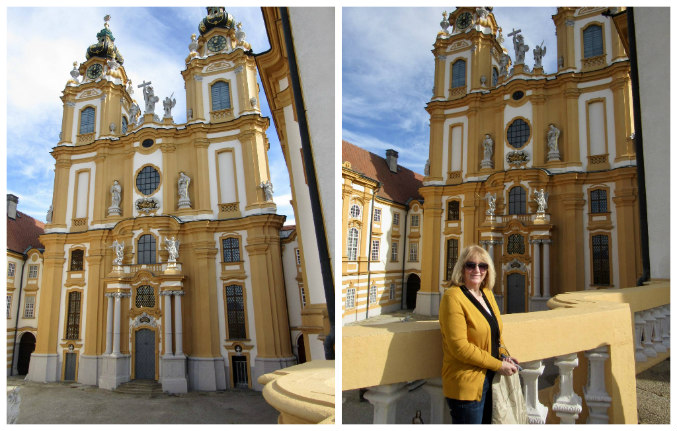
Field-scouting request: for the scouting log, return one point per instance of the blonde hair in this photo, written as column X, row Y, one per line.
column 474, row 250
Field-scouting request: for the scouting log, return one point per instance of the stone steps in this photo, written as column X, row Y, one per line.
column 140, row 387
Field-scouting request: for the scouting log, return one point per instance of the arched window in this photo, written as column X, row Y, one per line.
column 458, row 74
column 87, row 121
column 517, row 201
column 494, row 77
column 593, row 45
column 353, row 236
column 355, row 211
column 146, row 250
column 124, row 125
column 220, row 96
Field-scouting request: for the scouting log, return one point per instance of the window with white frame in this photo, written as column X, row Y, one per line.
column 396, row 219
column 11, row 268
column 303, row 296
column 593, row 43
column 350, row 298
column 377, row 214
column 9, row 306
column 375, row 248
column 355, row 211
column 393, row 251
column 298, row 256
column 414, row 220
column 372, row 294
column 413, row 252
column 353, row 236
column 220, row 96
column 32, row 271
column 29, row 307
column 392, row 291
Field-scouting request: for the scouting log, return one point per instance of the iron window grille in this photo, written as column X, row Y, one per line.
column 516, row 244
column 231, row 249
column 236, row 315
column 77, row 257
column 600, row 260
column 452, row 256
column 598, row 201
column 73, row 321
column 145, row 297
column 148, row 180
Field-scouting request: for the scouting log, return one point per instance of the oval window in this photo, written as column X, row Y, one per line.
column 148, row 180
column 518, row 133
column 147, row 143
column 517, row 95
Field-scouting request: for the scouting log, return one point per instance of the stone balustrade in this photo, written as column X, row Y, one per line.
column 598, row 340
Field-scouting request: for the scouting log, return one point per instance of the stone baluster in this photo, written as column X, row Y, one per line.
column 666, row 325
column 657, row 313
column 567, row 405
column 596, row 396
column 109, row 325
column 640, row 356
column 531, row 371
column 384, row 399
column 647, row 334
column 439, row 412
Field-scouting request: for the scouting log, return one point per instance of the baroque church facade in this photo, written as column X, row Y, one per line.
column 539, row 168
column 163, row 251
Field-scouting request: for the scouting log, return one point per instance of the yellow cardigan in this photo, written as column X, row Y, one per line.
column 466, row 343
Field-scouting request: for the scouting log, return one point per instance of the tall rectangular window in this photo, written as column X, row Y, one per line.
column 73, row 318
column 458, row 74
column 391, row 295
column 350, row 298
column 9, row 306
column 352, row 243
column 236, row 314
column 372, row 294
column 303, row 296
column 146, row 252
column 298, row 256
column 414, row 220
column 11, row 268
column 393, row 251
column 377, row 215
column 413, row 252
column 593, row 45
column 87, row 121
column 453, row 211
column 29, row 307
column 220, row 96
column 231, row 249
column 396, row 219
column 598, row 202
column 32, row 271
column 375, row 248
column 517, row 201
column 452, row 256
column 77, row 257
column 600, row 260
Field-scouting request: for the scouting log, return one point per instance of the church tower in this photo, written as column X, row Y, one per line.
column 536, row 166
column 162, row 251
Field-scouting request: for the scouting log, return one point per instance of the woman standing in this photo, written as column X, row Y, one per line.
column 471, row 338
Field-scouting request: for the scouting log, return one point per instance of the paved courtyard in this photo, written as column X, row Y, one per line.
column 72, row 403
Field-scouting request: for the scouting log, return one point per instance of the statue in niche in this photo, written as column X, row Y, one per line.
column 491, row 203
column 267, row 190
column 488, row 145
column 552, row 138
column 168, row 104
column 542, row 200
column 115, row 191
column 183, row 183
column 539, row 52
column 119, row 248
column 172, row 246
column 149, row 97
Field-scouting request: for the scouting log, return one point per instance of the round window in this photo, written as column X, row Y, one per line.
column 518, row 133
column 517, row 95
column 148, row 180
column 147, row 143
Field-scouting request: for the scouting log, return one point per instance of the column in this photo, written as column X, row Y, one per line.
column 567, row 403
column 384, row 399
column 531, row 371
column 596, row 396
column 537, row 267
column 109, row 325
column 116, row 330
column 167, row 311
column 177, row 321
column 491, row 250
column 546, row 268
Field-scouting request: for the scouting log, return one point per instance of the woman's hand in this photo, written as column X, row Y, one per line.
column 507, row 368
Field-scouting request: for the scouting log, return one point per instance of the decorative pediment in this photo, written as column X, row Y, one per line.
column 514, row 265
column 144, row 319
column 458, row 45
column 219, row 65
column 92, row 92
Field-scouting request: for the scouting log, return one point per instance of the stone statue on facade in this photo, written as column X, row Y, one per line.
column 488, row 145
column 48, row 218
column 426, row 169
column 119, row 248
column 168, row 104
column 539, row 52
column 541, row 200
column 553, row 137
column 115, row 191
column 491, row 203
column 267, row 190
column 192, row 46
column 503, row 64
column 134, row 113
column 172, row 247
column 149, row 97
column 240, row 35
column 183, row 183
column 519, row 46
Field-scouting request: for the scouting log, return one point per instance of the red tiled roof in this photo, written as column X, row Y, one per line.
column 23, row 232
column 398, row 187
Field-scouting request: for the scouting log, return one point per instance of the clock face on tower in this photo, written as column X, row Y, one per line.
column 464, row 20
column 94, row 71
column 216, row 43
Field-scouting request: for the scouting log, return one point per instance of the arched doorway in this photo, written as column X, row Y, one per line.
column 302, row 349
column 413, row 285
column 516, row 293
column 144, row 360
column 26, row 347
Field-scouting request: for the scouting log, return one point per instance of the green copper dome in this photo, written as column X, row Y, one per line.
column 105, row 48
column 216, row 17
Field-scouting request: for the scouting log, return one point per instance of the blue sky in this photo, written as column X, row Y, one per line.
column 43, row 43
column 388, row 72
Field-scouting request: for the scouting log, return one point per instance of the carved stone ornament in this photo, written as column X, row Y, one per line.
column 147, row 205
column 517, row 158
column 515, row 264
column 144, row 319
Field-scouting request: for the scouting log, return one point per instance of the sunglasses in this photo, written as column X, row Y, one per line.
column 472, row 265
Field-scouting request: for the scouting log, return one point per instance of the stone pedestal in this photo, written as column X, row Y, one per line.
column 115, row 370
column 173, row 377
column 268, row 365
column 538, row 304
column 427, row 303
column 43, row 368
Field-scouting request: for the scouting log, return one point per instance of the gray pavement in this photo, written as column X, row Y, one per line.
column 72, row 403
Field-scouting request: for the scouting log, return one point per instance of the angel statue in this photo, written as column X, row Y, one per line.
column 542, row 200
column 119, row 248
column 172, row 246
column 491, row 203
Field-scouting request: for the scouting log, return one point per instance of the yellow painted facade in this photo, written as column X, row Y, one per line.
column 220, row 311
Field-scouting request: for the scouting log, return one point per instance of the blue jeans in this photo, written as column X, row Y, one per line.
column 473, row 412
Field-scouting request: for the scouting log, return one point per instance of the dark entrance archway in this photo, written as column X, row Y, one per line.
column 302, row 349
column 413, row 286
column 26, row 347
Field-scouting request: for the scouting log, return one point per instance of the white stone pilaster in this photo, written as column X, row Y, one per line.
column 178, row 323
column 546, row 268
column 531, row 371
column 384, row 399
column 567, row 405
column 439, row 412
column 167, row 311
column 596, row 396
column 537, row 268
column 109, row 325
column 116, row 325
